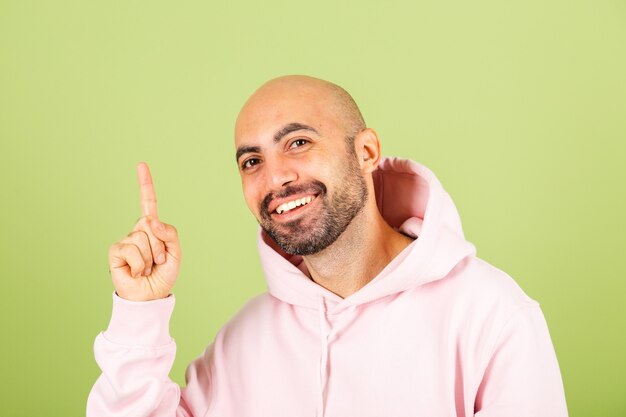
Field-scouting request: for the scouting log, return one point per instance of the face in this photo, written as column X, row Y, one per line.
column 300, row 177
column 306, row 225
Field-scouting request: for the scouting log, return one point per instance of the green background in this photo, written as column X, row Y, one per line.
column 518, row 106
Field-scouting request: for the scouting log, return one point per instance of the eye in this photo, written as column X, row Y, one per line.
column 249, row 163
column 297, row 143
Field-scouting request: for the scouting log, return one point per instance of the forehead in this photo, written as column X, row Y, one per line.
column 266, row 112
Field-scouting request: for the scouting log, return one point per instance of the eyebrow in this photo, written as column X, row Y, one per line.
column 292, row 127
column 287, row 129
column 246, row 149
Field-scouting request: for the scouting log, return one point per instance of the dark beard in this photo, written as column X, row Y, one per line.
column 297, row 238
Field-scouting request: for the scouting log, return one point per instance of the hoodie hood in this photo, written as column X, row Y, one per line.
column 412, row 200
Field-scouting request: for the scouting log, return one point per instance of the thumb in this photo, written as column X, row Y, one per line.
column 168, row 235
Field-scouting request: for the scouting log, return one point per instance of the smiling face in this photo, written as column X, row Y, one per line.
column 300, row 174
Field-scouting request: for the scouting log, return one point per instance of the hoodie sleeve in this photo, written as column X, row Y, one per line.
column 135, row 355
column 522, row 378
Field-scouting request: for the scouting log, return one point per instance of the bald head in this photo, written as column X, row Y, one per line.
column 296, row 95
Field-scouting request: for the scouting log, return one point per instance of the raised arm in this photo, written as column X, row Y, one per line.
column 136, row 352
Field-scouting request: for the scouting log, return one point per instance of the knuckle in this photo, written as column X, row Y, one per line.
column 129, row 249
column 138, row 237
column 135, row 262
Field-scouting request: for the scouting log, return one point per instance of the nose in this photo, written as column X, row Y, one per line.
column 280, row 173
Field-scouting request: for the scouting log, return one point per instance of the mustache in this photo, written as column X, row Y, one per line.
column 313, row 187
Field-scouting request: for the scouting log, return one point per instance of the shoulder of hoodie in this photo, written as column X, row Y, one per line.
column 480, row 286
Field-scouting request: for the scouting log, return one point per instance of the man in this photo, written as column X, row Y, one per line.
column 376, row 304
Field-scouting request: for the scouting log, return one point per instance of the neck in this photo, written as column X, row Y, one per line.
column 358, row 255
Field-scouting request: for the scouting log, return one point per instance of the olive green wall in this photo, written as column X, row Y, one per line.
column 518, row 106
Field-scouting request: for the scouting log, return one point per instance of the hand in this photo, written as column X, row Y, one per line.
column 144, row 264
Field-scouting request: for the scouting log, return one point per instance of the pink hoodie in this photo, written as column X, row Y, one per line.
column 439, row 332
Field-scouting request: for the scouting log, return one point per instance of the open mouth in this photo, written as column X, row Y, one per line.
column 287, row 205
column 294, row 205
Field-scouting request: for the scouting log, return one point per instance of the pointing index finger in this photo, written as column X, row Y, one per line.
column 146, row 189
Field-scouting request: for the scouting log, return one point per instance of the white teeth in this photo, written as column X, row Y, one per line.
column 293, row 204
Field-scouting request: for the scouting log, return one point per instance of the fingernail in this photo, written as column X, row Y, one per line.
column 160, row 258
column 147, row 272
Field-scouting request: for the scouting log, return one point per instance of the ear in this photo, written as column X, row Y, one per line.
column 367, row 147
